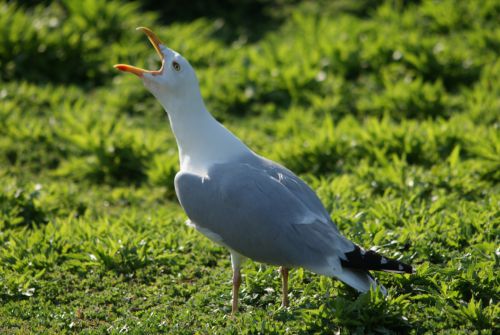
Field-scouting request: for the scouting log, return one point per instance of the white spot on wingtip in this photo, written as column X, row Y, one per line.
column 383, row 260
column 400, row 267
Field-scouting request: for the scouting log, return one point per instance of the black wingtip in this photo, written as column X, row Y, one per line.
column 371, row 260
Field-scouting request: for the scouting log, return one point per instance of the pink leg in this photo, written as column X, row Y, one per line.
column 236, row 289
column 284, row 286
column 236, row 262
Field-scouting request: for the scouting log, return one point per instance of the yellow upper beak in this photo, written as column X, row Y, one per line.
column 155, row 41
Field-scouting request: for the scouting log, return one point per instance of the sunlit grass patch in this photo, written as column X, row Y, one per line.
column 389, row 110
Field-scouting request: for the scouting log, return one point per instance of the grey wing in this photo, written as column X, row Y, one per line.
column 257, row 215
column 299, row 188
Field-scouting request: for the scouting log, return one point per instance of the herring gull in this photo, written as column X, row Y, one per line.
column 253, row 206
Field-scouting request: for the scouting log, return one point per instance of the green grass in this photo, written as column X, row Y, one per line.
column 390, row 110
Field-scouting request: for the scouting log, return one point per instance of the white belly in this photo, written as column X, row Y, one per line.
column 214, row 237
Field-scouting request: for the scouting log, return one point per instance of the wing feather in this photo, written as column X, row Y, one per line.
column 263, row 212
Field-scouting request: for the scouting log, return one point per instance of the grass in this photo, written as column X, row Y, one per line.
column 389, row 109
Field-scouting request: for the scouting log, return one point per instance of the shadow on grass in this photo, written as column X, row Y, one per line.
column 250, row 20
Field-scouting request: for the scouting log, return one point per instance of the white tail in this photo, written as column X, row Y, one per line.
column 359, row 279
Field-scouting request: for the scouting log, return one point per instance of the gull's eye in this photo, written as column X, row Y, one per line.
column 176, row 66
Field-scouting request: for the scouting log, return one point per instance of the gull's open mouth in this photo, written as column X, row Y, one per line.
column 155, row 41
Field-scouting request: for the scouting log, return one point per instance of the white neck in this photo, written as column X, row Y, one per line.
column 202, row 141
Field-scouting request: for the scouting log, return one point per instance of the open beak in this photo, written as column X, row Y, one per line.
column 155, row 41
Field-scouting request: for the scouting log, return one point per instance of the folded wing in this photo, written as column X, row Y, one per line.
column 264, row 213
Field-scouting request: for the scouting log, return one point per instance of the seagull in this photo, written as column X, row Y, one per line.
column 251, row 205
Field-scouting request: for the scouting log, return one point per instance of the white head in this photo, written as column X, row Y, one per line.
column 174, row 84
column 201, row 139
